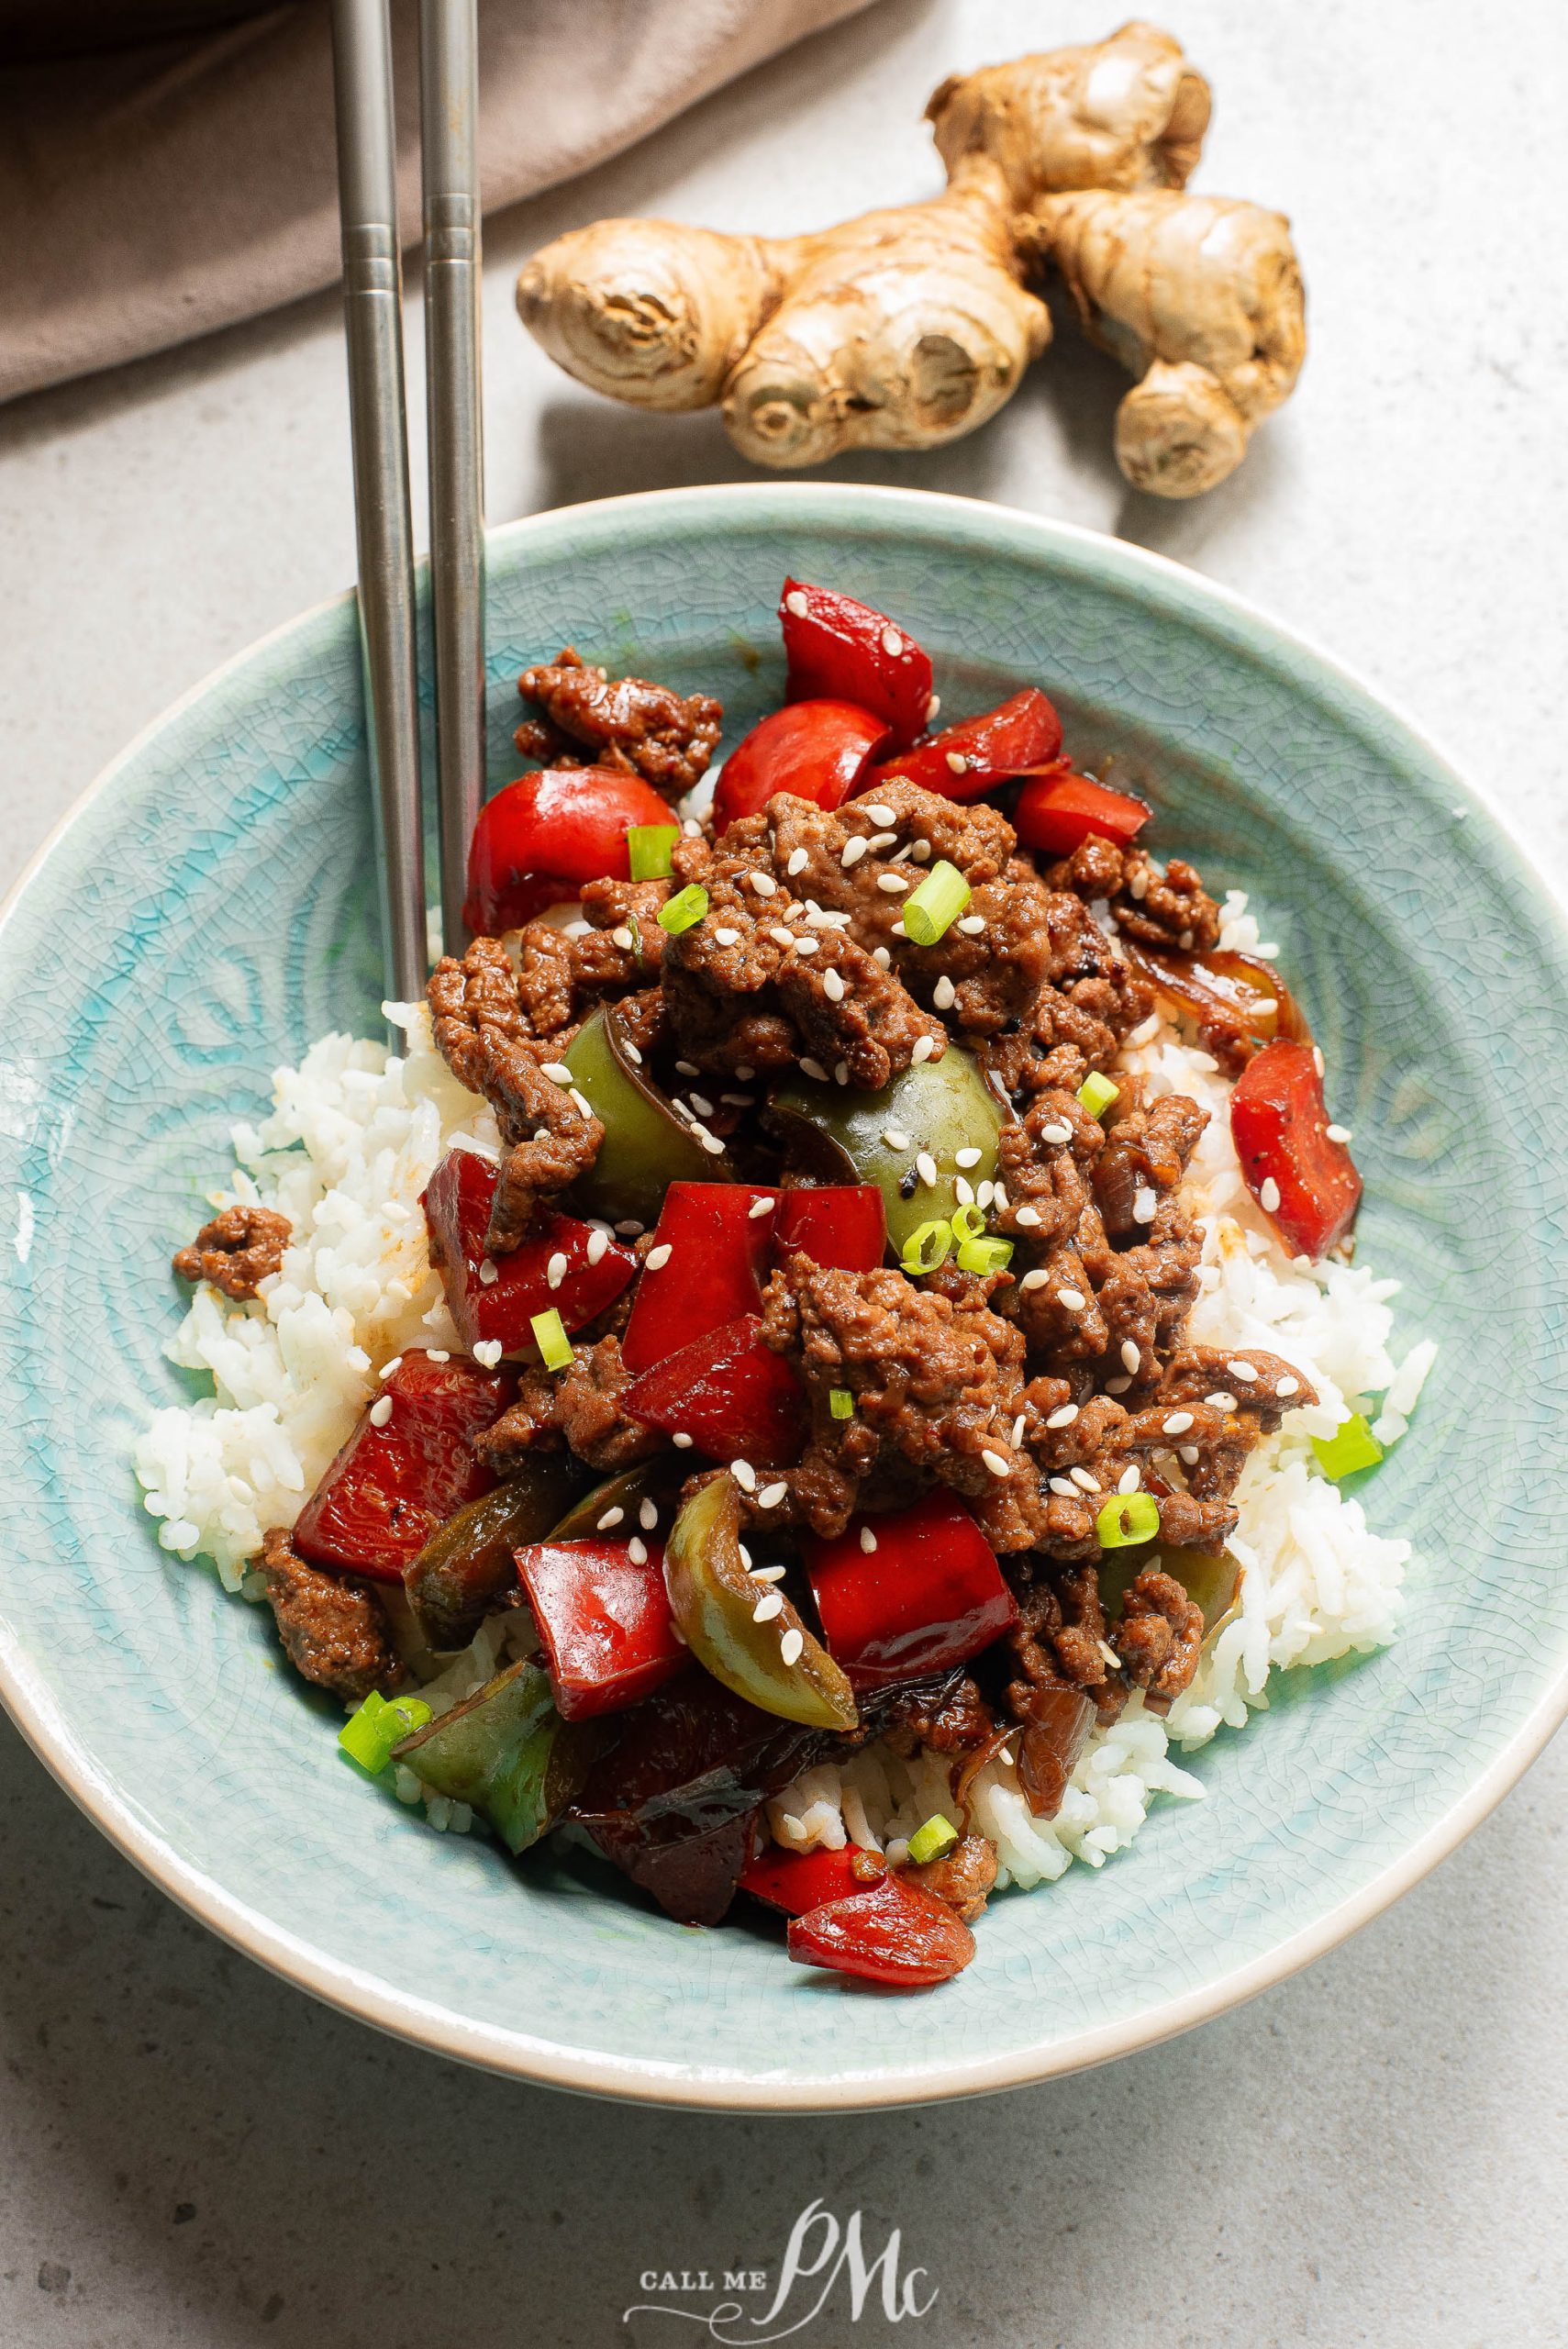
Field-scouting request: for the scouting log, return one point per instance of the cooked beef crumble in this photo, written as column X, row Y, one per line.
column 241, row 1248
column 331, row 1625
column 580, row 1409
column 666, row 738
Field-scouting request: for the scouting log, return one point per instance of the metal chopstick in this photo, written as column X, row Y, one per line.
column 372, row 306
column 449, row 88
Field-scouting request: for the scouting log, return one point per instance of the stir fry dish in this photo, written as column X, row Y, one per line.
column 834, row 1427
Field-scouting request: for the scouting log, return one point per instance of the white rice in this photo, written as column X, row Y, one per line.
column 356, row 1133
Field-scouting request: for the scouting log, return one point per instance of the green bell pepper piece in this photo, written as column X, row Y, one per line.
column 714, row 1601
column 1211, row 1583
column 652, row 1480
column 941, row 1107
column 506, row 1752
column 465, row 1569
column 646, row 1147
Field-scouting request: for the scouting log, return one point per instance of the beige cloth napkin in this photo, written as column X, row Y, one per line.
column 156, row 190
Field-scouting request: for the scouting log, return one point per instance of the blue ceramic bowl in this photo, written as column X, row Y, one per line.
column 209, row 909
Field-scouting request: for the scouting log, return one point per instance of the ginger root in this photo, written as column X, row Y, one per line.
column 1200, row 296
column 910, row 325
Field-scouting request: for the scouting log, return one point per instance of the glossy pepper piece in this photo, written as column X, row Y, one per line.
column 717, row 1235
column 776, row 1664
column 894, row 1933
column 391, row 1487
column 1304, row 1182
column 542, row 837
column 646, row 1146
column 457, row 1205
column 604, row 1620
column 973, row 757
column 796, row 1881
column 508, row 1752
column 929, row 1597
column 941, row 1107
column 1050, row 1737
column 1059, row 810
column 648, row 1480
column 820, row 751
column 839, row 650
column 841, row 1224
column 465, row 1570
column 734, row 1396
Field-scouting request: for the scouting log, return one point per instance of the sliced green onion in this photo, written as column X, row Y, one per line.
column 968, row 1222
column 1096, row 1093
column 985, row 1255
column 840, row 1402
column 936, row 905
column 926, row 1247
column 651, row 847
column 550, row 1338
column 369, row 1735
column 933, row 1837
column 1352, row 1445
column 684, row 909
column 1128, row 1518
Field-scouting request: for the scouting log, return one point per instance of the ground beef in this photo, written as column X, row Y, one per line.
column 633, row 724
column 472, row 1000
column 579, row 1409
column 332, row 1626
column 962, row 1875
column 1159, row 1637
column 241, row 1248
column 1144, row 1157
column 1169, row 908
column 948, row 1721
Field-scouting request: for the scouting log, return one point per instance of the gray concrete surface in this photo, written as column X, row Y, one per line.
column 193, row 2153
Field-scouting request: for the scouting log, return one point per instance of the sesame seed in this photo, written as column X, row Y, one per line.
column 1338, row 1133
column 764, row 883
column 742, row 1074
column 933, row 707
column 1245, row 1370
column 1019, row 1424
column 868, row 1539
column 388, row 1367
column 833, row 986
column 728, row 937
column 894, row 1138
column 487, row 1353
column 1057, row 1134
column 772, row 1495
column 767, row 1607
column 703, row 1107
column 972, row 924
column 555, row 1271
column 805, row 945
column 1217, row 1402
column 921, row 852
column 1130, row 1357
column 895, row 883
column 853, row 851
column 380, row 1410
column 1318, row 1060
column 892, row 643
column 437, row 1353
column 1117, row 1386
column 1029, row 1217
column 1108, row 1655
column 745, row 1555
column 921, row 1049
column 1031, row 1281
column 648, row 1516
column 1177, row 1424
column 1063, row 1487
column 999, row 1195
column 985, row 1194
column 1190, row 1453
column 969, row 1157
column 1087, row 1483
column 630, row 1049
column 996, row 1464
column 582, row 1101
column 557, row 1071
column 879, row 812
column 799, row 861
column 656, row 1258
column 761, row 1207
column 1073, row 1299
column 964, row 1191
column 792, row 1646
column 1144, row 1203
column 780, row 935
column 1185, row 942
column 767, row 1574
column 682, row 1441
column 882, row 957
column 489, row 1274
column 926, row 1166
column 738, row 1101
column 687, row 1068
column 1288, row 1387
column 1268, row 1196
column 813, row 1069
column 637, row 1551
column 630, row 1228
column 1128, row 1481
column 610, row 1519
column 795, row 602
column 622, row 937
column 744, row 1475
column 710, row 1143
column 1063, row 1417
column 958, row 762
column 882, row 839
column 944, row 994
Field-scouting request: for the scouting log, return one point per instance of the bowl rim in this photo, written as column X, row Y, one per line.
column 545, row 2063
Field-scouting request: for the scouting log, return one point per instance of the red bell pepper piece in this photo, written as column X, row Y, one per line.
column 609, row 1639
column 818, row 749
column 895, row 1932
column 1020, row 734
column 457, row 1218
column 841, row 1224
column 541, row 838
column 1307, row 1182
column 732, row 1395
column 719, row 1247
column 1058, row 810
column 796, row 1881
column 392, row 1486
column 929, row 1597
column 839, row 650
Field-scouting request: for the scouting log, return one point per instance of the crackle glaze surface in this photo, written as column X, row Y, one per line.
column 211, row 909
